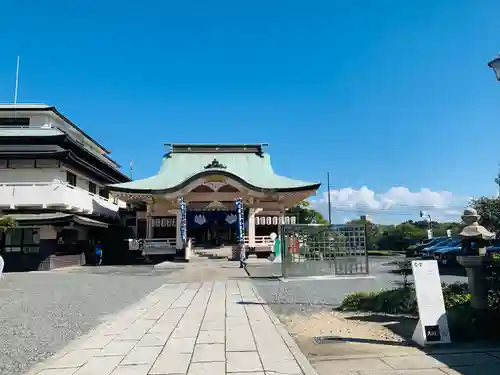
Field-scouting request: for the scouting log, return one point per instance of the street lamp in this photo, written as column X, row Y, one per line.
column 428, row 218
column 495, row 65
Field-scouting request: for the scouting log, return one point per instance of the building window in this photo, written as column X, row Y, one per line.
column 26, row 240
column 104, row 193
column 71, row 178
column 92, row 188
column 164, row 227
column 67, row 243
column 15, row 121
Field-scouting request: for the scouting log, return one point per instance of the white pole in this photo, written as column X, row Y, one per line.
column 17, row 81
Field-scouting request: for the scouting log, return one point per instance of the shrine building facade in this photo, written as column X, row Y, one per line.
column 211, row 196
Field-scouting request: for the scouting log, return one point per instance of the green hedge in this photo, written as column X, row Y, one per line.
column 401, row 300
column 464, row 322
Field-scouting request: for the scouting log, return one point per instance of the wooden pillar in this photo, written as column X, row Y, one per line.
column 149, row 221
column 178, row 238
column 251, row 225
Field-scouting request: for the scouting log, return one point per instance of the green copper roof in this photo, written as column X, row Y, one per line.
column 249, row 168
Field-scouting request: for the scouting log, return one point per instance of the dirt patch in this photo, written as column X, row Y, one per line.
column 331, row 333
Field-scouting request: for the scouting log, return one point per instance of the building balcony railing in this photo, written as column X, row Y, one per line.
column 260, row 241
column 55, row 195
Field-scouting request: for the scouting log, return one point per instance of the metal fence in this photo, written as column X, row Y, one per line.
column 323, row 250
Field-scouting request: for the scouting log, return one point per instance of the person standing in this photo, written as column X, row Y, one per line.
column 98, row 253
column 243, row 256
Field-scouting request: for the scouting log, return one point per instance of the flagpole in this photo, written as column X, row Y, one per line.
column 17, row 81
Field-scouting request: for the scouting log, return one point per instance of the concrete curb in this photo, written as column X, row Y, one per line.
column 301, row 359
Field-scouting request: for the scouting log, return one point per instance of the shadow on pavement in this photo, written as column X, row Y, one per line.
column 285, row 303
column 332, row 339
column 466, row 358
column 401, row 325
column 211, row 256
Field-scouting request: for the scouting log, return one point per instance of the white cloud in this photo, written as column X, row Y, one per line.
column 395, row 205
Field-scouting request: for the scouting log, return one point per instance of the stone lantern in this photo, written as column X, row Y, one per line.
column 474, row 238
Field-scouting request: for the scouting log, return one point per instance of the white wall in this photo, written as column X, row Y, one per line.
column 31, row 175
column 11, row 175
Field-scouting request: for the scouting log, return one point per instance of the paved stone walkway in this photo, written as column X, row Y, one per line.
column 452, row 363
column 186, row 328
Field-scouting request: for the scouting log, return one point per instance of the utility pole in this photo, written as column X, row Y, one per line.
column 17, row 81
column 329, row 198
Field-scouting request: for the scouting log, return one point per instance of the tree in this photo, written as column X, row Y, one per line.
column 489, row 211
column 306, row 214
column 400, row 237
column 6, row 222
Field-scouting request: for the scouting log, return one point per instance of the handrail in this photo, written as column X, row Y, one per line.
column 260, row 240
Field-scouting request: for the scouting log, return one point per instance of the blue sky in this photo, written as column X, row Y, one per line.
column 382, row 94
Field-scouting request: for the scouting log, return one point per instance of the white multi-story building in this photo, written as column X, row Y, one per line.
column 53, row 179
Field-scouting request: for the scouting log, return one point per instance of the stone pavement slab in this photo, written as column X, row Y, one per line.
column 476, row 363
column 202, row 328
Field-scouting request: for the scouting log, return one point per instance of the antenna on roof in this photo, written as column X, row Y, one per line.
column 131, row 168
column 17, row 81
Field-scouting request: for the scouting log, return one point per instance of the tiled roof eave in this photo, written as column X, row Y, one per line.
column 117, row 189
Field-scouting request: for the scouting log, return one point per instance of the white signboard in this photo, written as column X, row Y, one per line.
column 432, row 327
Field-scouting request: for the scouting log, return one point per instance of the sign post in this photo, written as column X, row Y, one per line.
column 432, row 327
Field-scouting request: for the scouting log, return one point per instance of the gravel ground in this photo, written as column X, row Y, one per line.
column 314, row 295
column 355, row 334
column 40, row 312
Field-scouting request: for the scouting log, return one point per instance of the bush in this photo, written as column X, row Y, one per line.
column 465, row 322
column 402, row 300
column 393, row 301
column 360, row 301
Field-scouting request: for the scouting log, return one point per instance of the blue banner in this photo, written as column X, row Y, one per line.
column 182, row 206
column 241, row 219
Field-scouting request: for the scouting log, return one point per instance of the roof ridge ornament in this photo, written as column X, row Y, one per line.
column 215, row 164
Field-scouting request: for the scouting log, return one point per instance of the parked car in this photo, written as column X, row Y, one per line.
column 448, row 255
column 429, row 251
column 493, row 249
column 417, row 250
